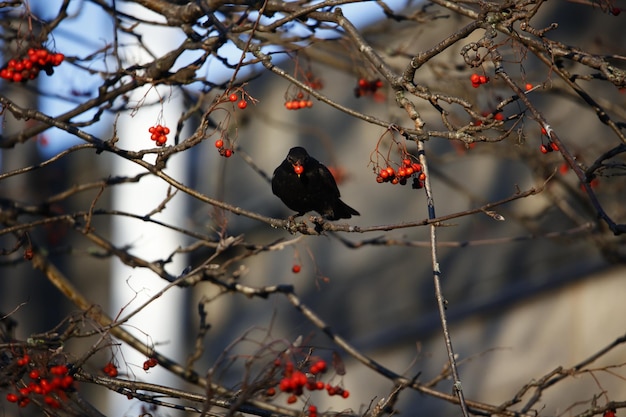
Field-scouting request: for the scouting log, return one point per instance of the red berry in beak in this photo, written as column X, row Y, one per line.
column 298, row 169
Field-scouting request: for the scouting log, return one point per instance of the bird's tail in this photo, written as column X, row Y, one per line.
column 343, row 211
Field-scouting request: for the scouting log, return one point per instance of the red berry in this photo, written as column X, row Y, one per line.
column 475, row 78
column 615, row 11
column 233, row 97
column 12, row 398
column 363, row 83
column 17, row 77
column 166, row 130
column 270, row 392
column 554, row 146
column 289, row 105
column 228, row 153
column 475, row 85
column 57, row 59
column 298, row 169
column 383, row 174
column 309, row 103
column 56, row 382
column 67, row 381
column 23, row 402
column 285, row 385
column 345, row 393
column 219, row 143
column 34, row 374
column 544, row 149
column 292, row 399
column 242, row 104
column 543, row 131
column 296, row 268
column 321, row 365
column 110, row 369
column 52, row 402
column 45, row 385
column 529, row 86
column 483, row 79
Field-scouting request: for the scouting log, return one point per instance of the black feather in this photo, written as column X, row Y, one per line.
column 314, row 189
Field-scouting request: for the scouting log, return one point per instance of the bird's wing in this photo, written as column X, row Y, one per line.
column 329, row 180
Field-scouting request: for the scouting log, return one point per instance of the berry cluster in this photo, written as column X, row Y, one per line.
column 110, row 369
column 295, row 381
column 28, row 68
column 366, row 87
column 551, row 146
column 242, row 104
column 402, row 174
column 159, row 134
column 150, row 363
column 298, row 104
column 225, row 152
column 312, row 81
column 49, row 385
column 478, row 80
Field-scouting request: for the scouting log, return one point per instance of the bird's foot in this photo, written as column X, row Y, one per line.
column 292, row 226
column 318, row 223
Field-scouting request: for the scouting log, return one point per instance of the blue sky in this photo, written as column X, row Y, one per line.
column 89, row 29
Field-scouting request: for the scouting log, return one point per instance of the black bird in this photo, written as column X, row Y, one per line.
column 304, row 184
